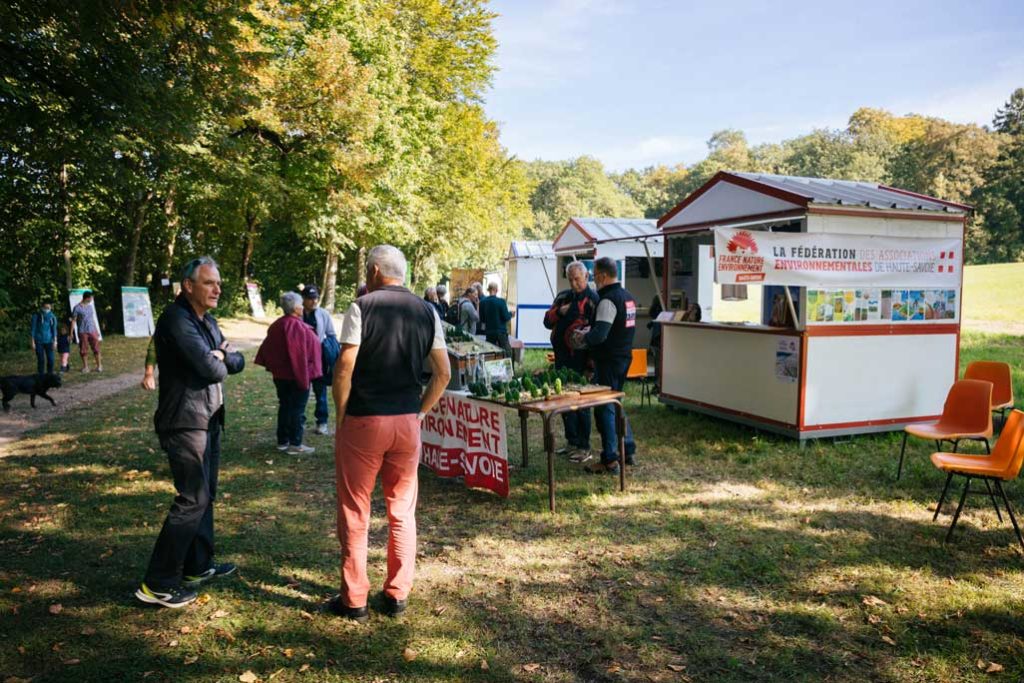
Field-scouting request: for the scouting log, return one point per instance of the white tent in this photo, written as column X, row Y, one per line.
column 530, row 289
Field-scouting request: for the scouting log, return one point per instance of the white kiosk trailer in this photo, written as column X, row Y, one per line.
column 530, row 288
column 634, row 243
column 866, row 284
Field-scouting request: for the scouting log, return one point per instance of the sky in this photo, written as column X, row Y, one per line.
column 642, row 82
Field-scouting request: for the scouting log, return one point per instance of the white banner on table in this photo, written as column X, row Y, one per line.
column 466, row 438
column 831, row 260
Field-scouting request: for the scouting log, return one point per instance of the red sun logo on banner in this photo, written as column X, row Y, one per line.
column 742, row 243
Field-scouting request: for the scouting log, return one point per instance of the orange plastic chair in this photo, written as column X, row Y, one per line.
column 638, row 370
column 1002, row 383
column 1003, row 464
column 965, row 415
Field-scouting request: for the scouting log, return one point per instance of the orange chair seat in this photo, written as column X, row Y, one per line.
column 1000, row 406
column 939, row 431
column 969, row 464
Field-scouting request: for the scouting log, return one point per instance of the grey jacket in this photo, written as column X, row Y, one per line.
column 324, row 324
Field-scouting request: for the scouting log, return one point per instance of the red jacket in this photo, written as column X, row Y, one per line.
column 291, row 351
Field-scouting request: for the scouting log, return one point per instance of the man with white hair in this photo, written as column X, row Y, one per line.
column 390, row 338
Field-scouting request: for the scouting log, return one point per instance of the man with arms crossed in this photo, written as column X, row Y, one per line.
column 389, row 338
column 193, row 359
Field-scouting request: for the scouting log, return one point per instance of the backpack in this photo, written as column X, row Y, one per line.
column 330, row 349
column 452, row 315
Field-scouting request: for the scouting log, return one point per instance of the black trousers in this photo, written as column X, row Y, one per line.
column 500, row 340
column 185, row 543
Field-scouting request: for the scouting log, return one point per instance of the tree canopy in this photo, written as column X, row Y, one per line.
column 283, row 137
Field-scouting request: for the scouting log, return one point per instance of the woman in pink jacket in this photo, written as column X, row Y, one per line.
column 291, row 353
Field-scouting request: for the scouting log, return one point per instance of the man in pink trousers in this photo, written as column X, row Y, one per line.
column 390, row 338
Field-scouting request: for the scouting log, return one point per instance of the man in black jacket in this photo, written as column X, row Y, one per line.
column 194, row 359
column 610, row 341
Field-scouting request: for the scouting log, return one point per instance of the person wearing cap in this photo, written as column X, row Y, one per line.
column 320, row 320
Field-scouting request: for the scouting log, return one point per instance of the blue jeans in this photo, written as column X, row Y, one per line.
column 291, row 412
column 44, row 357
column 612, row 373
column 320, row 392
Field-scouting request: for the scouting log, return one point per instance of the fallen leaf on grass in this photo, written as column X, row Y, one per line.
column 408, row 654
column 203, row 599
column 677, row 667
column 248, row 677
column 56, row 608
column 531, row 667
column 304, row 668
column 438, row 611
column 890, row 641
column 306, row 615
column 106, row 553
column 614, row 669
column 872, row 601
column 88, row 631
column 71, row 662
column 218, row 614
column 874, row 619
column 15, row 679
column 173, row 643
column 226, row 635
column 484, row 666
column 185, row 629
column 989, row 667
column 189, row 661
column 289, row 653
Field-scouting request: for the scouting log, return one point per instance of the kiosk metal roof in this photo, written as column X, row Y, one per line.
column 733, row 195
column 531, row 249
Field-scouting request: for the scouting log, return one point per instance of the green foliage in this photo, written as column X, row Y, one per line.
column 579, row 187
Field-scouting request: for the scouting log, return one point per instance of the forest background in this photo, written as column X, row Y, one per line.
column 284, row 137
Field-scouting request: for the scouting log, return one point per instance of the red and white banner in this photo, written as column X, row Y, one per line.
column 808, row 259
column 466, row 438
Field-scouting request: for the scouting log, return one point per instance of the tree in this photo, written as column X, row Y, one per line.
column 1000, row 198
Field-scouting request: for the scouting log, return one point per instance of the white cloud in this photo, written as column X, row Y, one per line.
column 971, row 103
column 651, row 151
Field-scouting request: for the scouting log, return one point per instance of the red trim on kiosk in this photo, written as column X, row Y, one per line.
column 896, row 214
column 907, row 329
column 579, row 227
column 869, row 423
column 738, row 413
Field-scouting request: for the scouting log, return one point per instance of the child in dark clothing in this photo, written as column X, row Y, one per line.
column 64, row 347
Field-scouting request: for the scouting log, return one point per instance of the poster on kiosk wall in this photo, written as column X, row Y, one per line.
column 828, row 260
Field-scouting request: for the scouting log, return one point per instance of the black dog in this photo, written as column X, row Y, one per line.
column 33, row 385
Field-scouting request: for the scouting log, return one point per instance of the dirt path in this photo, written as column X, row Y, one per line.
column 244, row 334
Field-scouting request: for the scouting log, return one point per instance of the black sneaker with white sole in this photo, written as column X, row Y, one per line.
column 174, row 598
column 214, row 572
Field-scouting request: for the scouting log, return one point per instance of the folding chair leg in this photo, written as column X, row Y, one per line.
column 956, row 445
column 988, row 487
column 1013, row 518
column 959, row 509
column 942, row 498
column 988, row 449
column 903, row 449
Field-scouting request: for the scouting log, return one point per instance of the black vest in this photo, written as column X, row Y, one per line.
column 619, row 343
column 397, row 333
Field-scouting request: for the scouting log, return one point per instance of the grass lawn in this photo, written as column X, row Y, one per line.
column 992, row 292
column 733, row 556
column 119, row 353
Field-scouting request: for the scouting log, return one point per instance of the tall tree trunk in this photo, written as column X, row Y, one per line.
column 173, row 223
column 330, row 279
column 138, row 220
column 361, row 267
column 249, row 243
column 65, row 207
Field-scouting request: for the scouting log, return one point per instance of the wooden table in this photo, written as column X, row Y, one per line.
column 566, row 404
